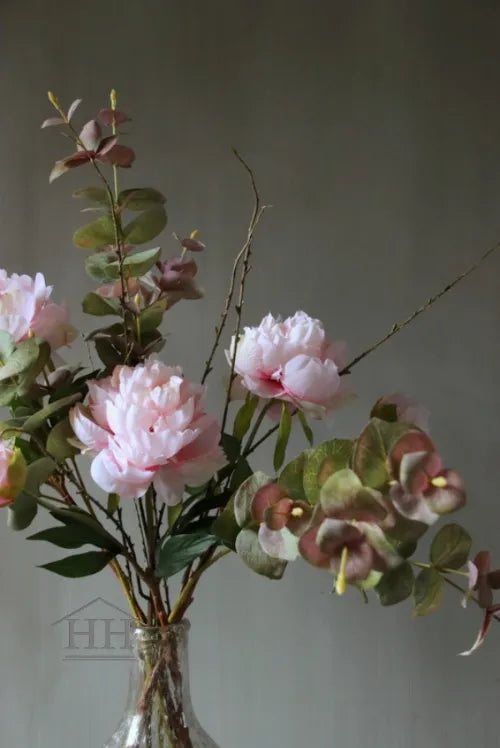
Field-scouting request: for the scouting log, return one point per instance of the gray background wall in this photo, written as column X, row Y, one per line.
column 374, row 129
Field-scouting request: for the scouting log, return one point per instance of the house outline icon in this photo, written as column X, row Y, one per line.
column 87, row 605
column 95, row 652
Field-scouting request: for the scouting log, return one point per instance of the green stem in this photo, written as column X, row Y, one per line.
column 258, row 422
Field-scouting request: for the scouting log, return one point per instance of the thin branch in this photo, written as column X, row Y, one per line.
column 244, row 252
column 401, row 325
column 257, row 212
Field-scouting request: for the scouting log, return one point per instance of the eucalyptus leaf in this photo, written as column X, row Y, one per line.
column 98, row 306
column 146, row 226
column 136, row 265
column 372, row 449
column 292, row 477
column 180, row 550
column 97, row 234
column 93, row 194
column 450, row 547
column 249, row 550
column 427, row 591
column 102, row 267
column 396, row 585
column 80, row 565
column 140, row 198
column 322, row 462
column 244, row 496
column 25, row 355
column 7, row 346
column 151, row 317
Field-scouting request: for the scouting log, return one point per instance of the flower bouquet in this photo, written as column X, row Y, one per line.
column 172, row 488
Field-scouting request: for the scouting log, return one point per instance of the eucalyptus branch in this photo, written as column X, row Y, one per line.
column 432, row 300
column 246, row 252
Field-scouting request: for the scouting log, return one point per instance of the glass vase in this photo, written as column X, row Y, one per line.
column 159, row 713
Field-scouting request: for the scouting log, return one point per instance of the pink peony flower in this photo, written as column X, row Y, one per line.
column 147, row 425
column 26, row 309
column 291, row 360
column 12, row 473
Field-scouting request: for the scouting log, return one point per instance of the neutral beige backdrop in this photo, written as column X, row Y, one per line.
column 374, row 129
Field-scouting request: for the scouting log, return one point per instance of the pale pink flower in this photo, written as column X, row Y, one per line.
column 12, row 472
column 291, row 360
column 26, row 309
column 147, row 425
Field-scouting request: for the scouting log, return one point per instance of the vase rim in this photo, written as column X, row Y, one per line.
column 181, row 627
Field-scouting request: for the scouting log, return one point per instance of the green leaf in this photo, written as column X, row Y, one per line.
column 284, row 431
column 231, row 447
column 427, row 591
column 384, row 411
column 98, row 306
column 109, row 355
column 343, row 492
column 173, row 513
column 6, row 346
column 113, row 502
column 138, row 264
column 38, row 473
column 180, row 550
column 450, row 547
column 249, row 550
column 372, row 449
column 151, row 317
column 396, row 585
column 244, row 496
column 140, row 198
column 225, row 526
column 74, row 516
column 58, row 444
column 25, row 356
column 292, row 477
column 244, row 417
column 146, row 226
column 308, row 433
column 96, row 234
column 81, row 565
column 38, row 419
column 94, row 194
column 325, row 460
column 22, row 512
column 241, row 472
column 72, row 536
column 102, row 267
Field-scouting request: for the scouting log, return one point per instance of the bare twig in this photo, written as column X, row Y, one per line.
column 257, row 212
column 401, row 325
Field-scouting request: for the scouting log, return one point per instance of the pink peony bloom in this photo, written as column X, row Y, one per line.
column 291, row 360
column 12, row 473
column 26, row 309
column 147, row 425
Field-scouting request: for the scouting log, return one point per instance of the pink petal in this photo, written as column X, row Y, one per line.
column 91, row 135
column 119, row 155
column 265, row 497
column 106, row 145
column 74, row 106
column 481, row 635
column 52, row 122
column 108, row 116
column 310, row 551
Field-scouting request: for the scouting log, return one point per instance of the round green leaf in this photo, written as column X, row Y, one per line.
column 146, row 226
column 322, row 462
column 96, row 234
column 427, row 591
column 450, row 547
column 140, row 198
column 396, row 585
